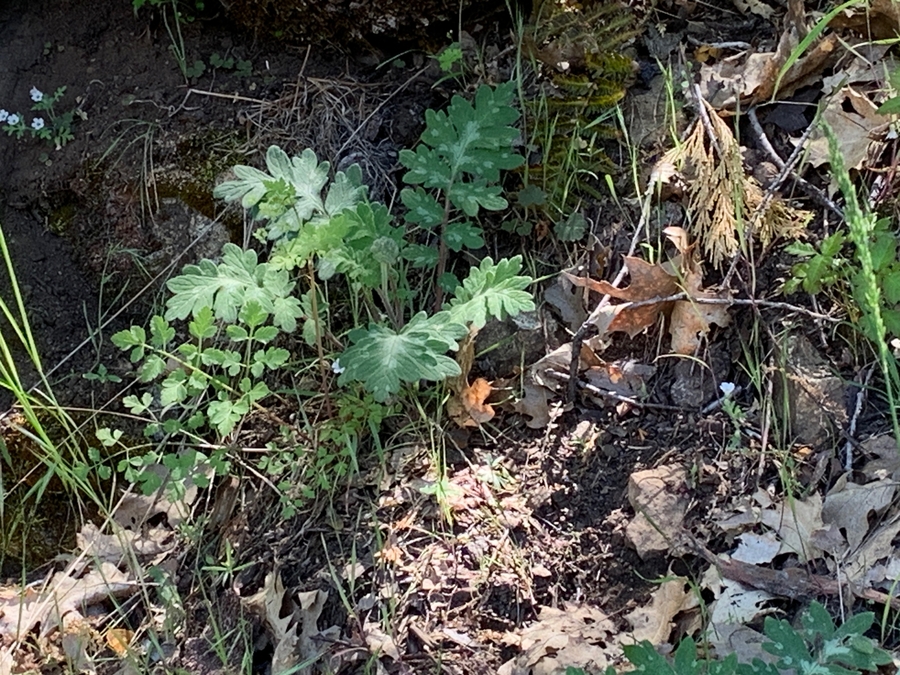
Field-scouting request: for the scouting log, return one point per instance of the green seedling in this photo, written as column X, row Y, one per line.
column 242, row 67
column 101, row 374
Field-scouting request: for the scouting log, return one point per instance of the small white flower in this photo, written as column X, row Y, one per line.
column 4, row 115
column 336, row 367
column 13, row 120
column 727, row 388
column 36, row 95
column 37, row 123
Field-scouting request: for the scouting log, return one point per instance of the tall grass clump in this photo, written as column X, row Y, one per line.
column 52, row 437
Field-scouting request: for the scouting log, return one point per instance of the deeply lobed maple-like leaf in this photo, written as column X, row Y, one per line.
column 383, row 359
column 229, row 286
column 290, row 195
column 491, row 291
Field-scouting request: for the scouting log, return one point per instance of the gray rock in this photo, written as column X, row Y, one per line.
column 815, row 395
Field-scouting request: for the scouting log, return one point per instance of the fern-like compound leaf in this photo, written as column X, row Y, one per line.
column 463, row 235
column 472, row 139
column 470, row 196
column 423, row 208
column 229, row 286
column 491, row 291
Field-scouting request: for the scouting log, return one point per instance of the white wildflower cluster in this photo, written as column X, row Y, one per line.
column 11, row 119
column 48, row 125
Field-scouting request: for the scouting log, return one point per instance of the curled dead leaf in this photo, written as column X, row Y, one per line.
column 731, row 84
column 877, row 18
column 648, row 282
column 853, row 118
column 468, row 408
column 624, row 378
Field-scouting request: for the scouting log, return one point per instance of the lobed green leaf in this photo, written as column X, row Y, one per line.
column 383, row 359
column 491, row 291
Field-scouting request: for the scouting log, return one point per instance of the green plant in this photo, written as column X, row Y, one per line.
column 323, row 228
column 872, row 292
column 817, row 647
column 334, row 458
column 865, row 282
column 452, row 63
column 735, row 414
column 224, row 568
column 892, row 105
column 56, row 129
column 37, row 432
column 213, row 379
column 821, row 268
column 456, row 168
column 242, row 67
column 252, row 303
column 449, row 57
column 102, row 374
column 181, row 12
column 827, row 268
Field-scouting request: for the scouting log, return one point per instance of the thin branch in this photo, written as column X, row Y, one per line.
column 815, row 193
column 589, row 323
column 770, row 195
column 854, row 419
column 597, row 391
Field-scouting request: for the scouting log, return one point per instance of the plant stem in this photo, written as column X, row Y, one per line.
column 314, row 304
column 442, row 251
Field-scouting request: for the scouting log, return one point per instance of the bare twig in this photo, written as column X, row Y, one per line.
column 703, row 112
column 854, row 418
column 362, row 125
column 585, row 327
column 810, row 189
column 769, row 304
column 789, row 583
column 736, row 44
column 597, row 391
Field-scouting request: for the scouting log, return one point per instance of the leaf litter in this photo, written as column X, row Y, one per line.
column 851, row 530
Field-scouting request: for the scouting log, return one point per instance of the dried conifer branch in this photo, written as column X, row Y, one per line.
column 786, row 169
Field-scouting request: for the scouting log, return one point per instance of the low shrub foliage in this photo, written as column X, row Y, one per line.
column 322, row 230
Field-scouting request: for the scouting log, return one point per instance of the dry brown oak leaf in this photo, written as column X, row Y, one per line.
column 468, row 408
column 648, row 281
column 689, row 319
